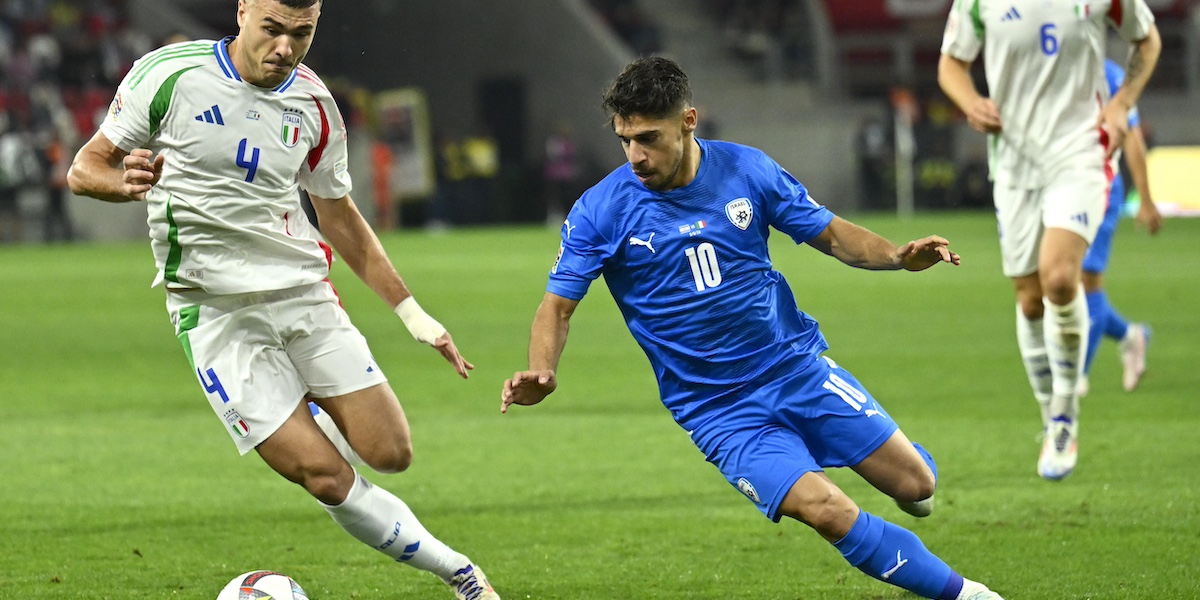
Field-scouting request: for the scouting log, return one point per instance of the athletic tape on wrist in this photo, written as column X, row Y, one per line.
column 424, row 328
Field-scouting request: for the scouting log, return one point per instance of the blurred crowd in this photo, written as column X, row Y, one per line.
column 772, row 36
column 60, row 61
column 632, row 24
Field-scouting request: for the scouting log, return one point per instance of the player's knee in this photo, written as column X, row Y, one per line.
column 1060, row 285
column 917, row 486
column 390, row 458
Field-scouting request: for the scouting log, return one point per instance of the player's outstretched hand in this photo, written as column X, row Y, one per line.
column 445, row 345
column 1114, row 120
column 143, row 169
column 527, row 388
column 921, row 254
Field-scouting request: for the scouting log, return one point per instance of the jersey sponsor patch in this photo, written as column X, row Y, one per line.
column 293, row 123
column 746, row 488
column 740, row 213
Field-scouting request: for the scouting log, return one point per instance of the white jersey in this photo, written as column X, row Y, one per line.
column 226, row 215
column 1044, row 61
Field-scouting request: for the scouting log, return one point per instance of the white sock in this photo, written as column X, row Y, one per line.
column 384, row 522
column 1066, row 345
column 1031, row 340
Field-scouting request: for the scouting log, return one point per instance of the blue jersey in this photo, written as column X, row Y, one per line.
column 690, row 270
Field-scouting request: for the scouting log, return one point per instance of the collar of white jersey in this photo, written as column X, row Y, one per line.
column 221, row 51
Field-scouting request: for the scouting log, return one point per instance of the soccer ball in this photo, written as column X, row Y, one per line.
column 262, row 584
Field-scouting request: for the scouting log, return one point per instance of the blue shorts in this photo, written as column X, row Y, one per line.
column 818, row 418
column 1096, row 259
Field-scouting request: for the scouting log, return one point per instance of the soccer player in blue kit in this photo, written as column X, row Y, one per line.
column 680, row 236
column 1105, row 320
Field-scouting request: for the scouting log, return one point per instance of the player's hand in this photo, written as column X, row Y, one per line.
column 527, row 388
column 983, row 115
column 1149, row 217
column 143, row 169
column 1114, row 121
column 445, row 345
column 921, row 254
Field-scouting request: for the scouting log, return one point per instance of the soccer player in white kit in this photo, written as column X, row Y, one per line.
column 217, row 137
column 1052, row 128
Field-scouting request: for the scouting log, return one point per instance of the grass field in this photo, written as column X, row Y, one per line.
column 118, row 481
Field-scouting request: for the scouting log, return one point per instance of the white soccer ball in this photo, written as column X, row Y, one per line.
column 262, row 584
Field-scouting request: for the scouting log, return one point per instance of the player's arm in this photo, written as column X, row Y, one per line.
column 1142, row 59
column 860, row 247
column 104, row 171
column 356, row 243
column 547, row 338
column 1135, row 158
column 954, row 77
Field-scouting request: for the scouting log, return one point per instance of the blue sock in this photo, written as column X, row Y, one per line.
column 1097, row 304
column 895, row 555
column 1115, row 325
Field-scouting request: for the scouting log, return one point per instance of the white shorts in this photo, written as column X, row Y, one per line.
column 258, row 355
column 1073, row 200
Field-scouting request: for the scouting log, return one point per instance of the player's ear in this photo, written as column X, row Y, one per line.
column 689, row 119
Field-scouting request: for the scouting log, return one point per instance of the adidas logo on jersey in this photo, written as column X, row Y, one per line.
column 1011, row 15
column 212, row 115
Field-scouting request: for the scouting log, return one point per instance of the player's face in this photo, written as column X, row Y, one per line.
column 656, row 148
column 272, row 40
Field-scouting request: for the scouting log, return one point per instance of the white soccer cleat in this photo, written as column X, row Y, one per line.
column 1133, row 354
column 469, row 583
column 920, row 508
column 1060, row 449
column 973, row 590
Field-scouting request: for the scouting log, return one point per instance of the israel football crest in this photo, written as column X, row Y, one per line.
column 293, row 122
column 740, row 213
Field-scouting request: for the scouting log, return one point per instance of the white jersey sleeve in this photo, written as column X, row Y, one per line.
column 963, row 36
column 1131, row 18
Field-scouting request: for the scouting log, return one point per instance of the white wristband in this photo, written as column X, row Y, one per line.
column 423, row 327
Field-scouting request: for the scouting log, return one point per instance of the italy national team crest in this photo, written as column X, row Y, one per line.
column 293, row 122
column 740, row 212
column 236, row 423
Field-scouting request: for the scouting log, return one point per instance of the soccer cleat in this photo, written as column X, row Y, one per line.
column 973, row 590
column 469, row 583
column 1059, row 449
column 1133, row 354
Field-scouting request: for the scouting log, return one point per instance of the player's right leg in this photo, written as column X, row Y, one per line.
column 301, row 453
column 903, row 470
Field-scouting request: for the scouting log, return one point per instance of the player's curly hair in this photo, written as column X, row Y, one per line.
column 653, row 87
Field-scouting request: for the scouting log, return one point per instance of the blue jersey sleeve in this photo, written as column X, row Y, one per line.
column 789, row 207
column 581, row 256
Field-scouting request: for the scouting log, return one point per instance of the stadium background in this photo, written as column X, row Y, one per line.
column 821, row 85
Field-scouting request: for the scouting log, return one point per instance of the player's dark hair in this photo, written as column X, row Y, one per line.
column 653, row 87
column 299, row 3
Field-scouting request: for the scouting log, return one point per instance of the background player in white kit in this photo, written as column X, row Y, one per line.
column 216, row 138
column 1052, row 127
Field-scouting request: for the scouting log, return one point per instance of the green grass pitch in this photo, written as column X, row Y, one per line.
column 118, row 481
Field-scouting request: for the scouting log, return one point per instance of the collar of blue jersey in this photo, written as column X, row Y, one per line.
column 221, row 51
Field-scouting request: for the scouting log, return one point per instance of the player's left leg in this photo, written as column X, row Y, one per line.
column 903, row 470
column 885, row 551
column 1066, row 323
